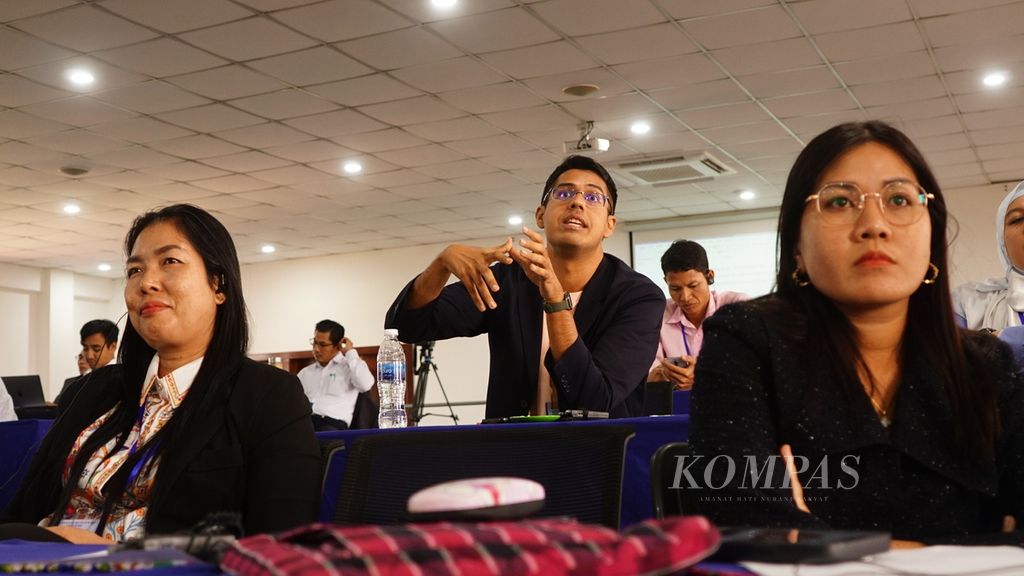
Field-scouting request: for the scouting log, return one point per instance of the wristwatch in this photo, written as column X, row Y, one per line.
column 564, row 304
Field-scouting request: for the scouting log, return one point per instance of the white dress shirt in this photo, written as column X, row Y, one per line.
column 6, row 404
column 332, row 389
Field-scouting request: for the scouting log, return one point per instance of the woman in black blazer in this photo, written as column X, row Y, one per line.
column 897, row 420
column 184, row 425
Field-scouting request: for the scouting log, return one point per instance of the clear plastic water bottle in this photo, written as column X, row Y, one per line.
column 391, row 381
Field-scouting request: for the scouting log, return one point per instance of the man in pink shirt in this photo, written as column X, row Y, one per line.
column 685, row 265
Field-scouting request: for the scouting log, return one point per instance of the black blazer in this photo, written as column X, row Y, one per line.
column 756, row 389
column 252, row 452
column 618, row 319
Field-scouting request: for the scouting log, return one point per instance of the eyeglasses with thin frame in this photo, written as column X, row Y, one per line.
column 316, row 344
column 566, row 192
column 902, row 202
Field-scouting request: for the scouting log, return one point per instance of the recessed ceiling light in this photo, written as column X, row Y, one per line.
column 80, row 77
column 443, row 3
column 268, row 249
column 993, row 79
column 640, row 127
column 72, row 208
column 515, row 220
column 104, row 267
column 581, row 90
column 353, row 167
column 747, row 195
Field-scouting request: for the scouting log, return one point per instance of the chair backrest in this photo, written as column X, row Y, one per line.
column 667, row 488
column 26, row 391
column 580, row 468
column 658, row 398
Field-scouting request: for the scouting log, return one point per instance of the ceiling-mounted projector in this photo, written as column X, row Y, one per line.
column 586, row 143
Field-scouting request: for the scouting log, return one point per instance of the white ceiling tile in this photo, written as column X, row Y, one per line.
column 461, row 168
column 10, row 11
column 183, row 171
column 745, row 133
column 161, row 57
column 263, row 135
column 199, row 146
column 813, row 103
column 246, row 162
column 451, row 74
column 493, row 98
column 336, row 20
column 123, row 199
column 247, row 39
column 726, row 115
column 16, row 91
column 135, row 157
column 107, row 77
column 231, row 184
column 426, row 12
column 611, row 108
column 813, row 79
column 18, row 176
column 126, row 180
column 536, row 118
column 288, row 103
column 650, row 42
column 874, row 42
column 420, row 156
column 976, row 25
column 21, row 50
column 18, row 125
column 541, row 60
column 313, row 66
column 994, row 119
column 75, row 142
column 365, row 90
column 743, row 28
column 371, row 165
column 777, row 147
column 677, row 71
column 907, row 90
column 911, row 109
column 833, row 15
column 457, row 129
column 580, row 17
column 84, row 28
column 498, row 30
column 140, row 130
column 390, row 139
column 19, row 153
column 394, row 178
column 411, row 111
column 952, row 157
column 179, row 16
column 667, row 144
column 490, row 146
column 77, row 111
column 175, row 192
column 227, row 82
column 434, row 216
column 427, row 190
column 312, row 151
column 700, row 95
column 335, row 123
column 932, row 126
column 991, row 52
column 274, row 5
column 928, row 8
column 210, row 118
column 889, row 67
column 529, row 159
column 400, row 48
column 292, row 175
column 768, row 57
column 150, row 97
column 991, row 100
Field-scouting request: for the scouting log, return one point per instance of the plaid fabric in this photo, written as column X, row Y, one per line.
column 549, row 547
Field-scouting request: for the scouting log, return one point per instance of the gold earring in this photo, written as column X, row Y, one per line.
column 932, row 275
column 800, row 278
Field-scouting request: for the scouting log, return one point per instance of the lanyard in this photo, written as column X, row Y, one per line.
column 147, row 455
column 682, row 330
column 1021, row 316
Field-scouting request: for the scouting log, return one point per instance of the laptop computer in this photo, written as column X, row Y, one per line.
column 26, row 391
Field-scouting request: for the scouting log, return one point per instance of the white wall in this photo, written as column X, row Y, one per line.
column 286, row 299
column 42, row 311
column 974, row 250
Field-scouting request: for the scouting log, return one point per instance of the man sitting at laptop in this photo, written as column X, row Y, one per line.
column 6, row 404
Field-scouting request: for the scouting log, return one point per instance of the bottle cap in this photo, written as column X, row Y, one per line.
column 391, row 332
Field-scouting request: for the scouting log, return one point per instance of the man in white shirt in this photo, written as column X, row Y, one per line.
column 99, row 348
column 6, row 404
column 333, row 382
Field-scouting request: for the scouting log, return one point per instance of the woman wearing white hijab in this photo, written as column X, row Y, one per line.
column 997, row 304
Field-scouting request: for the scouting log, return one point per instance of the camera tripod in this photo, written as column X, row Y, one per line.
column 425, row 365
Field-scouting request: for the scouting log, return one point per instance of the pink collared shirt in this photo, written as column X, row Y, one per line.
column 674, row 323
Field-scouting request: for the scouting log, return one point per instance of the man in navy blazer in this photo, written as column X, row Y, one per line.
column 569, row 326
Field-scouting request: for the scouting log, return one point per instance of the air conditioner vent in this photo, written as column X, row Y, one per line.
column 700, row 166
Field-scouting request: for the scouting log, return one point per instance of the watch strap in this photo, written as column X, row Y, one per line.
column 564, row 304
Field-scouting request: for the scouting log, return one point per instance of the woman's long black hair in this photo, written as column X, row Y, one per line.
column 223, row 356
column 931, row 337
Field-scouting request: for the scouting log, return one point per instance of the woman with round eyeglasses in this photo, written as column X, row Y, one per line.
column 997, row 304
column 848, row 398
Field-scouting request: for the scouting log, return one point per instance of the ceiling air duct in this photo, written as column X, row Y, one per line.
column 694, row 167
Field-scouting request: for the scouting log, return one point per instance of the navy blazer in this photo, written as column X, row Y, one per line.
column 252, row 452
column 756, row 389
column 618, row 319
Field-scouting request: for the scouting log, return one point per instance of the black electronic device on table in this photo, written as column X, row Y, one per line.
column 798, row 546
